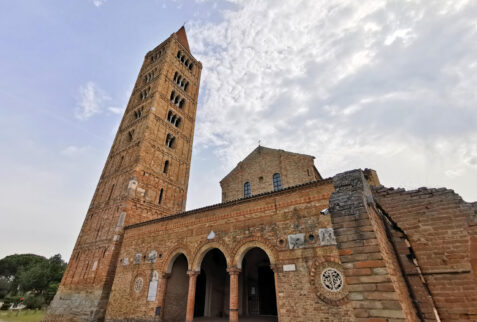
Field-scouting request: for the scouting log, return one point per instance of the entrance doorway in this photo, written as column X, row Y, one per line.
column 212, row 288
column 258, row 297
column 175, row 305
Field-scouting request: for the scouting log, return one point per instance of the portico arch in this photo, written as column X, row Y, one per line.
column 247, row 245
column 204, row 249
column 172, row 256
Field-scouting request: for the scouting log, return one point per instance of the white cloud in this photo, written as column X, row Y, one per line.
column 74, row 151
column 116, row 110
column 381, row 84
column 90, row 101
column 98, row 3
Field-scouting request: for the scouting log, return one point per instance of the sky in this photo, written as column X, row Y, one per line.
column 388, row 85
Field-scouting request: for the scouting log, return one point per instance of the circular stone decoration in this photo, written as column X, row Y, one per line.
column 328, row 282
column 332, row 279
column 138, row 283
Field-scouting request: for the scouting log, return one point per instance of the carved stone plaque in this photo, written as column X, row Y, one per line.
column 296, row 241
column 327, row 236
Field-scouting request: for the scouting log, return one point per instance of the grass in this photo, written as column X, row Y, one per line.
column 23, row 316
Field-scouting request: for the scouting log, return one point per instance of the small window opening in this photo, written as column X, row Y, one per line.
column 175, row 76
column 166, row 166
column 130, row 135
column 111, row 192
column 185, row 86
column 179, row 54
column 160, row 196
column 182, row 102
column 277, row 182
column 247, row 189
column 190, row 67
column 170, row 140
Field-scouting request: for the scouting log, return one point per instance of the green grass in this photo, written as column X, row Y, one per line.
column 24, row 316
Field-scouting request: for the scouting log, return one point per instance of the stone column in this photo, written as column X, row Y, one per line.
column 191, row 296
column 162, row 294
column 234, row 293
column 276, row 269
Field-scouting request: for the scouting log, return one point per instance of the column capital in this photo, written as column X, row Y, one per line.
column 192, row 273
column 275, row 268
column 233, row 270
column 165, row 275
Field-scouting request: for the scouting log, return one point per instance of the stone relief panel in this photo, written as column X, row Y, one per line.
column 327, row 236
column 296, row 241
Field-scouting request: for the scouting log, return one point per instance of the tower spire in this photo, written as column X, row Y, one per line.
column 182, row 37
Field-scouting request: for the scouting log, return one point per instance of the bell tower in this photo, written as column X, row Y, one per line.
column 145, row 177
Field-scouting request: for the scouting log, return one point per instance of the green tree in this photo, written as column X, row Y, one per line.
column 33, row 275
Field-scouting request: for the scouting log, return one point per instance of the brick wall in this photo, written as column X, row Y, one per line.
column 264, row 221
column 377, row 291
column 259, row 167
column 441, row 230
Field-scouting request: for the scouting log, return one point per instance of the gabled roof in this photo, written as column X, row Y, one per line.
column 182, row 38
column 261, row 149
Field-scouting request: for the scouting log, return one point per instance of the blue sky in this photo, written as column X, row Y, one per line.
column 388, row 85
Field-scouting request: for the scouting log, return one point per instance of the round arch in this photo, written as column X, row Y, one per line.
column 204, row 249
column 247, row 245
column 172, row 256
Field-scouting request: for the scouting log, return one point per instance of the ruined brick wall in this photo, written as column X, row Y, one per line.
column 376, row 286
column 441, row 230
column 259, row 167
column 264, row 221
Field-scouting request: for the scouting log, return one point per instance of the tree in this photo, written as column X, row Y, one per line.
column 31, row 274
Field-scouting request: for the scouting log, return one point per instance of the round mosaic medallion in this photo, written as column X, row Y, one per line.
column 328, row 281
column 138, row 283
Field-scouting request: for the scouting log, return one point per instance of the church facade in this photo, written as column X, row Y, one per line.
column 285, row 244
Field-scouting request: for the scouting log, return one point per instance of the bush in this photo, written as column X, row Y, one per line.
column 34, row 301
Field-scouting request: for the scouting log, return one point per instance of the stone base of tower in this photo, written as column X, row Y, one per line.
column 78, row 305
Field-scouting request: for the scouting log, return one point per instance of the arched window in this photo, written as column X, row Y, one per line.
column 172, row 95
column 166, row 166
column 247, row 189
column 175, row 76
column 190, row 66
column 178, row 122
column 185, row 86
column 277, row 182
column 169, row 140
column 169, row 116
column 176, row 100
column 179, row 54
column 181, row 104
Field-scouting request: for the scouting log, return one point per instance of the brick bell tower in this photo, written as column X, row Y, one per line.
column 145, row 176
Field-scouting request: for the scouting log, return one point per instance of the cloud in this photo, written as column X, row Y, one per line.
column 357, row 85
column 74, row 151
column 98, row 3
column 116, row 110
column 90, row 101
